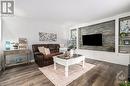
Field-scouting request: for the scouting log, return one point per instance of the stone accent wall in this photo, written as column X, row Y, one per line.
column 107, row 29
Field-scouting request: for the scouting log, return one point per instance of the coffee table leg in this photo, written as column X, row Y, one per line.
column 66, row 71
column 55, row 65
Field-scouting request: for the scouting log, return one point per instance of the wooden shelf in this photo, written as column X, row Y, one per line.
column 126, row 38
column 14, row 64
column 124, row 45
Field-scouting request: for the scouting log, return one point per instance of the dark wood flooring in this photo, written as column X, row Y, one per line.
column 104, row 74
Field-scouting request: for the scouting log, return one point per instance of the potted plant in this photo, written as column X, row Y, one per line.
column 70, row 47
column 122, row 36
column 124, row 83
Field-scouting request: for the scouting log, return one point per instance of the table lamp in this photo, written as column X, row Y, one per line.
column 7, row 45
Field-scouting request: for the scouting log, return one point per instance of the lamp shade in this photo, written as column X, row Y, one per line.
column 62, row 45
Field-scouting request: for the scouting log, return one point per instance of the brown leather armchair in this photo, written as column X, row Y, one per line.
column 44, row 60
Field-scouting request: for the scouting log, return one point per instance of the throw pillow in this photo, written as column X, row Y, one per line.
column 47, row 51
column 42, row 50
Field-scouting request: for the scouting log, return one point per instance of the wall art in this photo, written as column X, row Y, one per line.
column 48, row 37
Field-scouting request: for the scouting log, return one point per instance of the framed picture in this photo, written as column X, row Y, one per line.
column 48, row 37
column 23, row 44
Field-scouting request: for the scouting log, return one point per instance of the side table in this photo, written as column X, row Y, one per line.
column 15, row 52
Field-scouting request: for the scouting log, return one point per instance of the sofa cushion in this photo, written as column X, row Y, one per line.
column 56, row 53
column 49, row 56
column 41, row 49
column 47, row 51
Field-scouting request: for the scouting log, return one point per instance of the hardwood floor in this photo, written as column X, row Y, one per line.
column 104, row 74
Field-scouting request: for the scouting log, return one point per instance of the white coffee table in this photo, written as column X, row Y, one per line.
column 68, row 61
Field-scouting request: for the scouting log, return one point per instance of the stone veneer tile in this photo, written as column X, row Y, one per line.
column 108, row 36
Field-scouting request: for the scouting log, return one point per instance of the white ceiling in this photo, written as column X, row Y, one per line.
column 70, row 10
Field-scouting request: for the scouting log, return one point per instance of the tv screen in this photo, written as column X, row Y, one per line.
column 92, row 40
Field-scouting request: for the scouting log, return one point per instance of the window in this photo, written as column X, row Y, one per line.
column 73, row 37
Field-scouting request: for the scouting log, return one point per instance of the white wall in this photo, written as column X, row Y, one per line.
column 0, row 30
column 0, row 45
column 113, row 57
column 15, row 27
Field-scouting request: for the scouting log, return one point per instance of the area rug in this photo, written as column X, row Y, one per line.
column 57, row 77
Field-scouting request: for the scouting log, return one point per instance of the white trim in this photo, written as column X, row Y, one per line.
column 117, row 35
column 77, row 42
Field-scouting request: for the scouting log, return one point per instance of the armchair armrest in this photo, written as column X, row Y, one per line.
column 38, row 55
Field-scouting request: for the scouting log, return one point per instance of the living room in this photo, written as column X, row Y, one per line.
column 37, row 35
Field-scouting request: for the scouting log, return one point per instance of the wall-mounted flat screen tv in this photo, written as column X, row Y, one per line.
column 92, row 40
